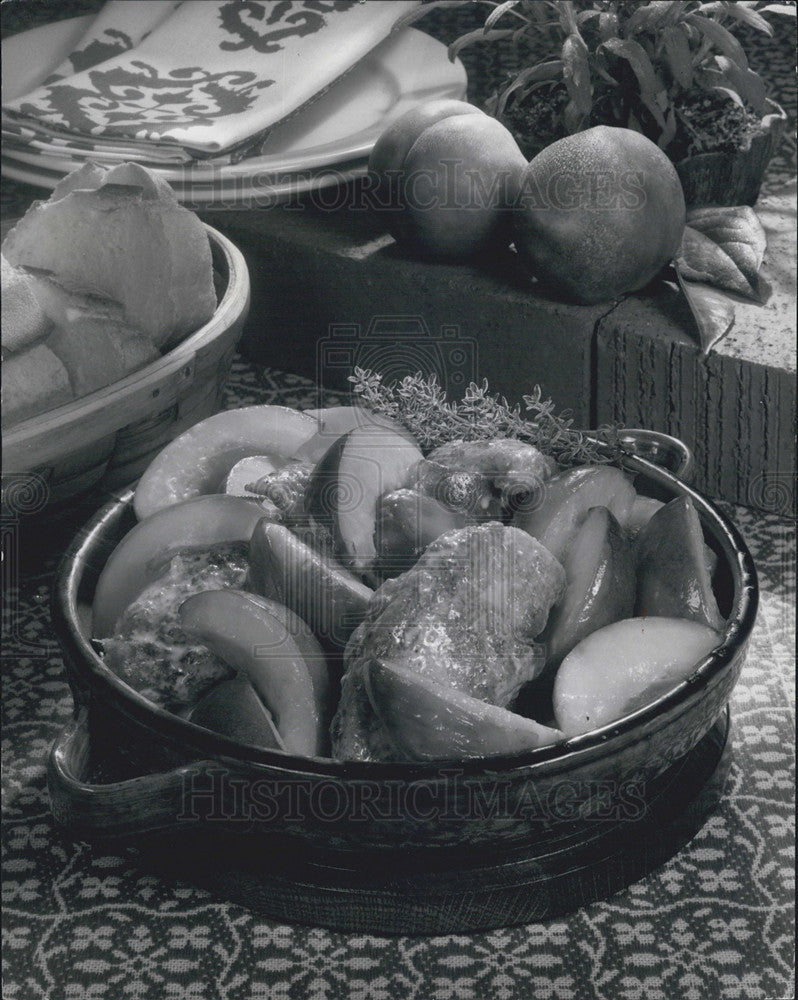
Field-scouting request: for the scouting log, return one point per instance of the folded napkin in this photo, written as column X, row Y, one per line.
column 118, row 27
column 211, row 79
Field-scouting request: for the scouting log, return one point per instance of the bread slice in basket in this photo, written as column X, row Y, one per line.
column 34, row 380
column 120, row 234
column 98, row 281
column 24, row 320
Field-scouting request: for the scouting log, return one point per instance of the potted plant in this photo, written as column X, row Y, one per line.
column 673, row 70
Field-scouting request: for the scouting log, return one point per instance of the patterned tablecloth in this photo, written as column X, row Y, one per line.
column 80, row 924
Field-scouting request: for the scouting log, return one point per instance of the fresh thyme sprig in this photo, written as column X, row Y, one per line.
column 419, row 403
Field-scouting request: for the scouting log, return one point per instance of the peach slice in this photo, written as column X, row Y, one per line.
column 335, row 421
column 233, row 709
column 566, row 500
column 427, row 721
column 198, row 461
column 643, row 509
column 141, row 556
column 407, row 522
column 325, row 595
column 266, row 648
column 600, row 589
column 347, row 483
column 625, row 666
column 674, row 578
column 307, row 645
column 247, row 473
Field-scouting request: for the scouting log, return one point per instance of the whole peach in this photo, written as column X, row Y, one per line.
column 389, row 151
column 599, row 214
column 445, row 176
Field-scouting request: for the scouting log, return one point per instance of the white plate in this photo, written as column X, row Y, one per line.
column 406, row 69
column 260, row 190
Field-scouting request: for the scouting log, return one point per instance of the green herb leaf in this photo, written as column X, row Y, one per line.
column 568, row 22
column 721, row 38
column 573, row 118
column 724, row 247
column 669, row 132
column 712, row 310
column 729, row 92
column 500, row 11
column 746, row 82
column 420, row 405
column 608, row 25
column 650, row 85
column 646, row 17
column 478, row 35
column 576, row 73
column 633, row 123
column 747, row 15
column 635, row 55
column 539, row 12
column 532, row 74
column 677, row 53
column 675, row 10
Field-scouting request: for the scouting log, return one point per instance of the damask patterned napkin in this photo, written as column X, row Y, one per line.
column 119, row 26
column 211, row 79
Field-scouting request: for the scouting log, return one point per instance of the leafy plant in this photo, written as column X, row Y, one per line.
column 625, row 63
column 419, row 403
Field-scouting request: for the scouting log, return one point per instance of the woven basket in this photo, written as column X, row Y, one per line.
column 108, row 438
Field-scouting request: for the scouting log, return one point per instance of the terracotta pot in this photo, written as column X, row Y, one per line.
column 719, row 178
column 733, row 178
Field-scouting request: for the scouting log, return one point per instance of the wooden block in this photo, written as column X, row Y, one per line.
column 735, row 408
column 331, row 289
column 320, row 280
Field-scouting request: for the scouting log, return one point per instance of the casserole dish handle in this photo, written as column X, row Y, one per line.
column 670, row 453
column 145, row 804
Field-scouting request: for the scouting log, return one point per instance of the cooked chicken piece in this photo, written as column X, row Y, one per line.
column 151, row 652
column 485, row 480
column 285, row 488
column 465, row 615
column 284, row 500
column 510, row 465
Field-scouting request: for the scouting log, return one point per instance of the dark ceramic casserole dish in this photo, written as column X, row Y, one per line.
column 172, row 753
column 178, row 779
